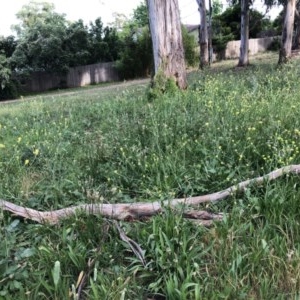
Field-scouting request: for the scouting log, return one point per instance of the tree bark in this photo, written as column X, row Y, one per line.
column 168, row 51
column 285, row 51
column 203, row 34
column 210, row 48
column 244, row 48
column 296, row 45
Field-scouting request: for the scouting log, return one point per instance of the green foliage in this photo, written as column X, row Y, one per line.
column 116, row 146
column 217, row 8
column 8, row 45
column 41, row 35
column 136, row 56
column 161, row 85
column 189, row 45
column 8, row 86
column 76, row 44
column 140, row 15
column 104, row 43
column 275, row 45
column 48, row 42
column 5, row 72
column 135, row 50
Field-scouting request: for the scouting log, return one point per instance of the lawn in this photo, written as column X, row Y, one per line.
column 115, row 146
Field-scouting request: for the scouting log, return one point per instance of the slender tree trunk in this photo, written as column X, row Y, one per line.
column 244, row 48
column 167, row 43
column 287, row 32
column 210, row 48
column 296, row 44
column 203, row 36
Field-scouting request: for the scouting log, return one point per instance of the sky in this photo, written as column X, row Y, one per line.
column 89, row 10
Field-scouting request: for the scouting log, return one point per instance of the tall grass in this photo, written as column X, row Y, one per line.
column 112, row 147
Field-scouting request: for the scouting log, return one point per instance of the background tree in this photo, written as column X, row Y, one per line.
column 41, row 34
column 5, row 71
column 140, row 15
column 244, row 53
column 227, row 26
column 77, row 44
column 8, row 86
column 167, row 43
column 8, row 45
column 203, row 34
column 189, row 45
column 296, row 44
column 285, row 51
column 98, row 47
column 135, row 47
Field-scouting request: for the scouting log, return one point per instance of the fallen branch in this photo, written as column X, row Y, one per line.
column 134, row 211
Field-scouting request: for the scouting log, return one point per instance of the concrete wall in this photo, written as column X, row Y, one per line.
column 255, row 46
column 76, row 77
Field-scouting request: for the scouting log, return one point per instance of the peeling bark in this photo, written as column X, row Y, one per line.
column 203, row 35
column 285, row 51
column 168, row 51
column 244, row 48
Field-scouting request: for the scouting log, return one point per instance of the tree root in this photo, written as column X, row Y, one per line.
column 140, row 210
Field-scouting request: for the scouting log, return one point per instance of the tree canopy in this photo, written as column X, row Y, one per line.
column 47, row 41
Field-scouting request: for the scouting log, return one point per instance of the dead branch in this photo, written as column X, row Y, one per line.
column 135, row 211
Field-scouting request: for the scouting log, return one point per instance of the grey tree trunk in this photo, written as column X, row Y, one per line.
column 168, row 51
column 203, row 34
column 210, row 48
column 296, row 44
column 287, row 32
column 244, row 48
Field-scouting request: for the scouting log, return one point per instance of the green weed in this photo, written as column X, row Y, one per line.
column 116, row 146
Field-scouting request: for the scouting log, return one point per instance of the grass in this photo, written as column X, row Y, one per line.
column 116, row 146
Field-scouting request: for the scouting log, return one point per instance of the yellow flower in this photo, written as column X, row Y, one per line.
column 2, row 146
column 36, row 152
column 19, row 139
column 26, row 162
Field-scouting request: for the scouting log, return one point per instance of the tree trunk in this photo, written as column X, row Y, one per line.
column 168, row 51
column 210, row 48
column 244, row 48
column 203, row 34
column 287, row 32
column 296, row 44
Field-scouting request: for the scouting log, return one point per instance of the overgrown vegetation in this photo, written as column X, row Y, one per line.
column 62, row 150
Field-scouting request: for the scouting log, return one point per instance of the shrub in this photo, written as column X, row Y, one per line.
column 10, row 91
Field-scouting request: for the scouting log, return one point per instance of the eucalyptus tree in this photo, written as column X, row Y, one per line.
column 203, row 34
column 244, row 47
column 168, row 51
column 296, row 44
column 285, row 51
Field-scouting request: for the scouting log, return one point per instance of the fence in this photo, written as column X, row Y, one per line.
column 105, row 72
column 76, row 77
column 255, row 46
